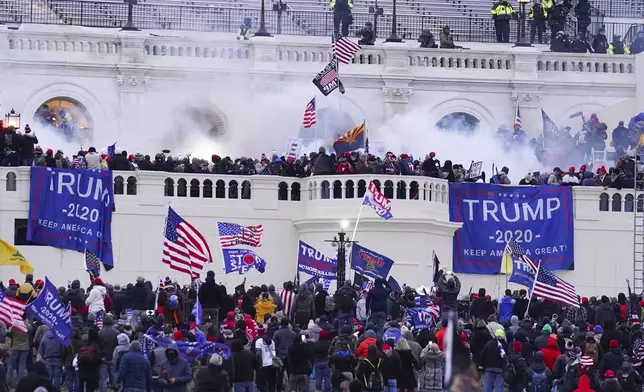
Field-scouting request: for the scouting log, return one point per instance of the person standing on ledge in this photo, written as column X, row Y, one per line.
column 243, row 31
column 502, row 12
column 341, row 14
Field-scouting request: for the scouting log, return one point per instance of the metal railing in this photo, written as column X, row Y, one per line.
column 620, row 8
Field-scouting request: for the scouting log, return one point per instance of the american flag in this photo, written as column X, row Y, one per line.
column 326, row 283
column 517, row 119
column 184, row 248
column 11, row 312
column 366, row 287
column 329, row 77
column 92, row 264
column 309, row 114
column 343, row 49
column 548, row 285
column 232, row 234
column 99, row 319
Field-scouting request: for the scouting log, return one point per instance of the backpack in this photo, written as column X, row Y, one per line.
column 375, row 378
column 539, row 382
column 87, row 355
column 509, row 372
column 329, row 304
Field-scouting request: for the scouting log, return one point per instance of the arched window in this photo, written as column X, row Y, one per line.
column 324, row 190
column 311, row 191
column 282, row 191
column 220, row 190
column 349, row 190
column 458, row 122
column 389, row 189
column 628, row 203
column 295, row 191
column 131, row 185
column 246, row 190
column 194, row 188
column 337, row 189
column 617, row 203
column 377, row 184
column 207, row 189
column 233, row 191
column 10, row 186
column 603, row 202
column 169, row 187
column 182, row 187
column 413, row 190
column 362, row 188
column 640, row 203
column 401, row 189
column 118, row 185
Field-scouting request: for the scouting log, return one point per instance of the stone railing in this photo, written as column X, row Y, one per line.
column 145, row 185
column 208, row 52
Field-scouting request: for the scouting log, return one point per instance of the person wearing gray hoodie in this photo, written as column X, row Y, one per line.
column 120, row 350
column 416, row 348
column 176, row 373
column 514, row 324
column 51, row 351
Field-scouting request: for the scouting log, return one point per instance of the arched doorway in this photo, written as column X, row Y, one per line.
column 67, row 117
column 458, row 122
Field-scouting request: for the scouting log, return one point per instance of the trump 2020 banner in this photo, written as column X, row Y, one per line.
column 539, row 218
column 72, row 209
column 314, row 262
column 369, row 263
column 51, row 311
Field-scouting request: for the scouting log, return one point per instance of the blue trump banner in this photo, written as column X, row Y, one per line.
column 522, row 274
column 50, row 310
column 187, row 350
column 314, row 262
column 369, row 263
column 72, row 209
column 240, row 261
column 539, row 218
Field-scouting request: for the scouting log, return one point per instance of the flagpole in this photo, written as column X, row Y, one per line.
column 534, row 283
column 355, row 228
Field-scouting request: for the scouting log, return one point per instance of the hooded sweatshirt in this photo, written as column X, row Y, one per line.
column 96, row 299
column 179, row 370
column 120, row 350
column 514, row 324
column 584, row 384
column 264, row 307
column 50, row 347
column 304, row 304
column 550, row 353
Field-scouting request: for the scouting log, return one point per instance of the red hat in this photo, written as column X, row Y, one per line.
column 177, row 335
column 12, row 282
column 571, row 168
column 432, row 154
column 131, row 157
column 404, row 156
column 517, row 347
column 214, row 156
column 39, row 282
column 103, row 156
column 193, row 325
column 613, row 344
column 324, row 335
column 602, row 169
column 609, row 374
column 463, row 336
column 386, row 347
column 488, row 297
column 346, row 154
column 642, row 302
column 97, row 281
column 212, row 339
column 582, row 168
column 584, row 300
column 475, row 295
column 50, row 151
column 85, row 152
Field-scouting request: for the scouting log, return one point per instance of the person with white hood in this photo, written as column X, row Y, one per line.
column 96, row 299
column 93, row 159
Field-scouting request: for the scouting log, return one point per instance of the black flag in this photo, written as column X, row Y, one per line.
column 327, row 80
column 437, row 267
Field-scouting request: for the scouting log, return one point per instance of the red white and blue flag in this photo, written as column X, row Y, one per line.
column 184, row 248
column 309, row 114
column 11, row 312
column 377, row 201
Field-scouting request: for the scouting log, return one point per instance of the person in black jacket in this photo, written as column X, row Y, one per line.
column 210, row 297
column 493, row 359
column 345, row 300
column 377, row 303
column 613, row 359
column 37, row 379
column 481, row 308
column 449, row 286
column 213, row 377
column 120, row 162
column 299, row 362
column 600, row 42
column 74, row 296
column 320, row 300
column 520, row 380
column 139, row 301
column 28, row 141
column 244, row 364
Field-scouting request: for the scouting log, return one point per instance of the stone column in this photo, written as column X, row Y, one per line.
column 132, row 47
column 264, row 52
column 4, row 52
column 529, row 110
column 526, row 92
column 132, row 84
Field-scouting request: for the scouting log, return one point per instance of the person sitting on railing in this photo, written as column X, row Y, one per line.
column 560, row 43
column 600, row 42
column 244, row 30
column 617, row 46
column 323, row 165
column 344, row 166
column 367, row 34
column 426, row 40
column 580, row 45
column 447, row 40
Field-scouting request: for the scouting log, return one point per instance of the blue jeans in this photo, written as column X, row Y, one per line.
column 55, row 370
column 344, row 318
column 493, row 380
column 244, row 386
column 17, row 362
column 72, row 380
column 378, row 319
column 322, row 373
column 107, row 376
column 392, row 385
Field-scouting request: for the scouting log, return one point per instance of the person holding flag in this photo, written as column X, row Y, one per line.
column 449, row 286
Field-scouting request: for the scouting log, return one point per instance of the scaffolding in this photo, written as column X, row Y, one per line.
column 638, row 226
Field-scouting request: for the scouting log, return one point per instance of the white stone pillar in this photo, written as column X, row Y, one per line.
column 132, row 47
column 526, row 92
column 264, row 52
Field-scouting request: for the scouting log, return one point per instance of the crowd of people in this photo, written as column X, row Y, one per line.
column 356, row 339
column 22, row 149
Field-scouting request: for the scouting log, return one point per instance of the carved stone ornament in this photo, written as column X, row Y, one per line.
column 133, row 82
column 527, row 97
column 397, row 94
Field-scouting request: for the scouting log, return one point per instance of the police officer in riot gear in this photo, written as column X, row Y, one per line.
column 426, row 39
column 341, row 15
column 367, row 34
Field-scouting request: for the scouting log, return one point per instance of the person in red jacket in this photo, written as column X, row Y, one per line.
column 440, row 335
column 584, row 384
column 550, row 353
column 364, row 346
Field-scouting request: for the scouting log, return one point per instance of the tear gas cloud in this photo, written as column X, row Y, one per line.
column 266, row 121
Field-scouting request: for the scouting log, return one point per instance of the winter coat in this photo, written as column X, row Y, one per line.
column 321, row 350
column 74, row 296
column 611, row 385
column 584, row 384
column 505, row 308
column 323, row 165
column 210, row 295
column 93, row 161
column 300, row 358
column 37, row 377
column 364, row 346
column 377, row 298
column 50, row 347
column 550, row 353
column 120, row 350
column 27, row 145
column 430, row 378
column 263, row 307
column 134, row 372
column 612, row 360
column 481, row 308
column 303, row 307
column 107, row 340
column 480, row 337
column 449, row 292
column 139, row 296
column 491, row 355
column 283, row 340
column 96, row 299
column 406, row 378
column 244, row 363
column 179, row 370
column 604, row 312
column 521, row 369
column 19, row 339
column 212, row 379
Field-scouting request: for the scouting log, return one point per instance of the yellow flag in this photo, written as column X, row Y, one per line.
column 506, row 263
column 10, row 255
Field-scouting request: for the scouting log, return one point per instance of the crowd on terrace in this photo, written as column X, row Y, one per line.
column 559, row 146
